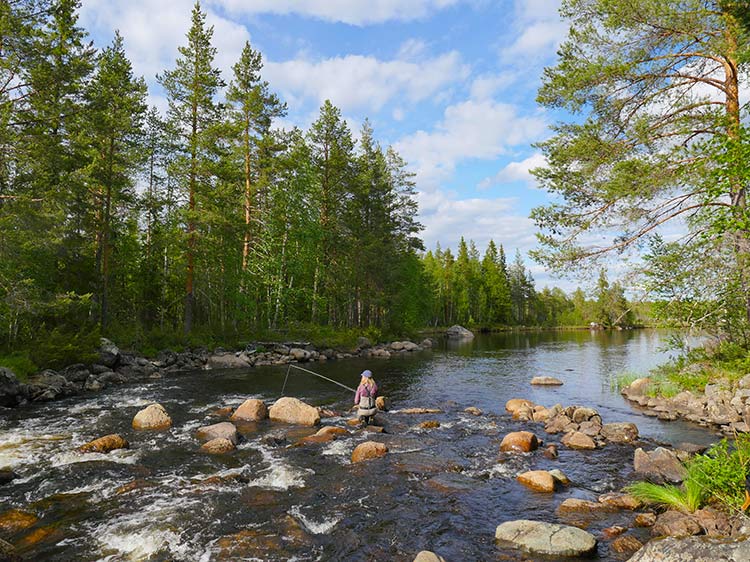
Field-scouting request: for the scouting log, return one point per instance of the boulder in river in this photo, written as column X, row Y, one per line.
column 459, row 333
column 11, row 390
column 546, row 539
column 428, row 556
column 7, row 476
column 383, row 403
column 520, row 442
column 291, row 410
column 537, row 480
column 620, row 432
column 693, row 549
column 251, row 409
column 515, row 404
column 228, row 361
column 429, row 424
column 659, row 465
column 473, row 410
column 152, row 417
column 218, row 446
column 368, row 450
column 332, row 430
column 560, row 476
column 109, row 353
column 620, row 501
column 577, row 505
column 104, row 444
column 578, row 440
column 546, row 381
column 222, row 430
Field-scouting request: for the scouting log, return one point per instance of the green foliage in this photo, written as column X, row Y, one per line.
column 716, row 477
column 623, row 380
column 686, row 498
column 20, row 364
column 59, row 348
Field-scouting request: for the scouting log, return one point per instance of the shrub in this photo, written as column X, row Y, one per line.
column 58, row 349
column 20, row 364
column 686, row 498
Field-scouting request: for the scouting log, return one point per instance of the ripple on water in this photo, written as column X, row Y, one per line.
column 319, row 528
column 279, row 474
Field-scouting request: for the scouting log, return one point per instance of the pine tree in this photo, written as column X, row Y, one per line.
column 115, row 109
column 191, row 89
column 253, row 109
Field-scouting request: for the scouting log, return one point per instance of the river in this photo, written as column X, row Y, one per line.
column 443, row 489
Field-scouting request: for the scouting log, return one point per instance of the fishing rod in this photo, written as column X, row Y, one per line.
column 312, row 373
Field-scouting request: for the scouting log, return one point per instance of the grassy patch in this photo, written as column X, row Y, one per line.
column 623, row 380
column 717, row 478
column 20, row 364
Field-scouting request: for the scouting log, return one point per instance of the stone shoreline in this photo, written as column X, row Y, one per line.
column 720, row 406
column 115, row 367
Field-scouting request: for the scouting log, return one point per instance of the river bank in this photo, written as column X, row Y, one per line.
column 116, row 367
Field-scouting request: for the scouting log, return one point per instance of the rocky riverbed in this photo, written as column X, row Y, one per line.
column 218, row 467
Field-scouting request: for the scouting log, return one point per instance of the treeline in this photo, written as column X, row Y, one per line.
column 488, row 292
column 118, row 219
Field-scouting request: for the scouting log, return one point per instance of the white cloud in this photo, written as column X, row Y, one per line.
column 154, row 30
column 473, row 129
column 539, row 31
column 517, row 171
column 355, row 12
column 356, row 82
column 478, row 219
column 487, row 85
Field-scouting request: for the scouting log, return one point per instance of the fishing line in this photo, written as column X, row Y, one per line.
column 317, row 375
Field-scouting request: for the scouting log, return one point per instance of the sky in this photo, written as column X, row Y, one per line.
column 451, row 84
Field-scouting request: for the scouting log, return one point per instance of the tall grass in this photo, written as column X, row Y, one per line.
column 686, row 498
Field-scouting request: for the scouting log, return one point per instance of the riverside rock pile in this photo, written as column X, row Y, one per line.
column 115, row 367
column 723, row 405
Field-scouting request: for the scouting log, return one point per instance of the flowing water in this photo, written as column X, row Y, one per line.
column 443, row 489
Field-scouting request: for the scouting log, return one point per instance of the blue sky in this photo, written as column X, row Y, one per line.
column 449, row 83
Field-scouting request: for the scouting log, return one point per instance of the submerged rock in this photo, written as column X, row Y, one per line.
column 428, row 556
column 7, row 476
column 291, row 410
column 560, row 476
column 332, row 430
column 218, row 446
column 8, row 552
column 104, row 444
column 420, row 411
column 473, row 410
column 659, row 465
column 693, row 549
column 430, row 424
column 15, row 520
column 537, row 480
column 575, row 505
column 546, row 381
column 251, row 409
column 368, row 450
column 546, row 539
column 223, row 430
column 645, row 520
column 152, row 417
column 519, row 441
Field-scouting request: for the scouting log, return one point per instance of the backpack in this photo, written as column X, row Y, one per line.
column 367, row 405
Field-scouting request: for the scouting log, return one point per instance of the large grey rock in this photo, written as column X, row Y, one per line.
column 49, row 385
column 459, row 333
column 659, row 465
column 12, row 392
column 109, row 353
column 693, row 549
column 227, row 361
column 546, row 539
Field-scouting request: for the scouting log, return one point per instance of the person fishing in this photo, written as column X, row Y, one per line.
column 364, row 398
